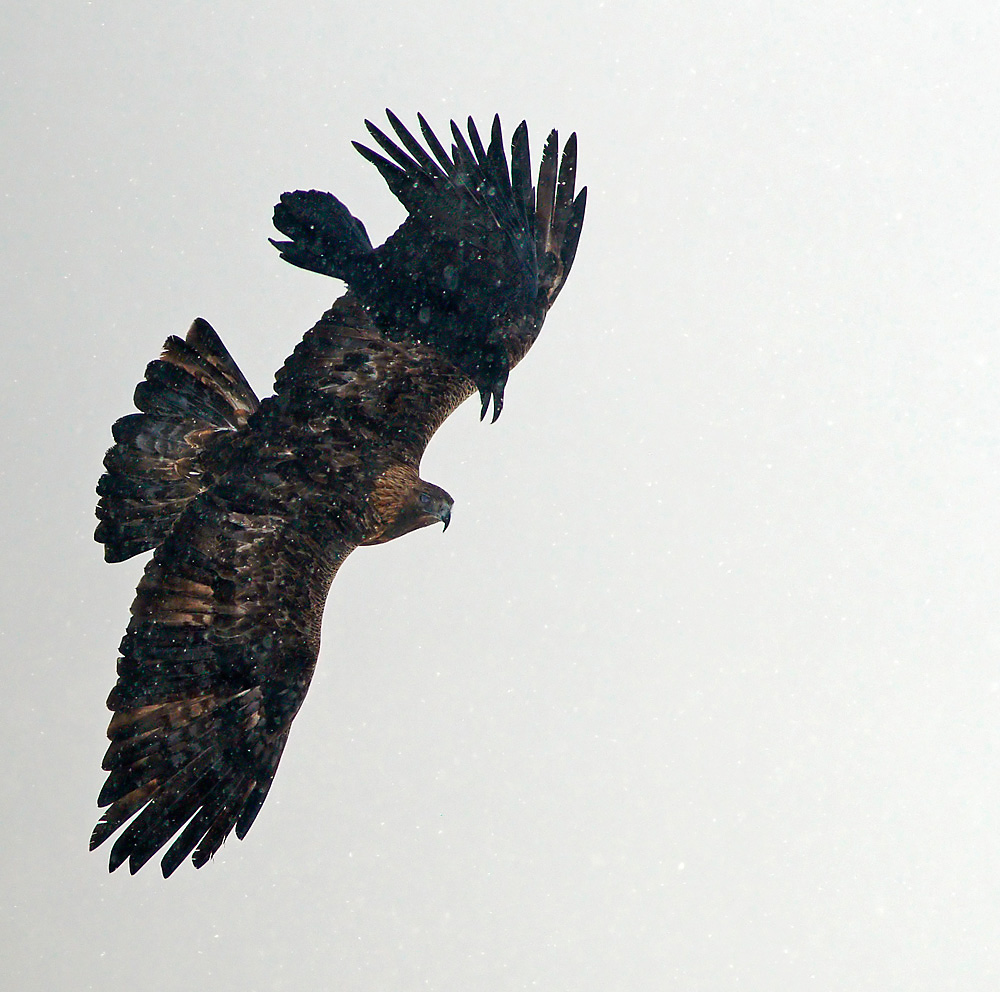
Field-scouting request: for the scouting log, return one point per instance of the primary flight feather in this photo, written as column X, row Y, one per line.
column 251, row 506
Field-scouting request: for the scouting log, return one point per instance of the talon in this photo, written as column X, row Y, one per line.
column 497, row 403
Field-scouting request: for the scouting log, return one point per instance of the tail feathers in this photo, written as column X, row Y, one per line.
column 326, row 238
column 205, row 762
column 190, row 396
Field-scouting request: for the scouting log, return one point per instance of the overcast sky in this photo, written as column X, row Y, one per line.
column 700, row 689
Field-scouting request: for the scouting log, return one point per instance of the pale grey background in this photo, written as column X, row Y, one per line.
column 700, row 690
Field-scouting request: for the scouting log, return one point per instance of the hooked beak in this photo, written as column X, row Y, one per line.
column 446, row 517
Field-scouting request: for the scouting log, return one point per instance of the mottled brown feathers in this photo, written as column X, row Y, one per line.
column 164, row 456
column 401, row 394
column 250, row 507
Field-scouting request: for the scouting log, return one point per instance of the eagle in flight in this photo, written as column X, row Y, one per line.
column 250, row 506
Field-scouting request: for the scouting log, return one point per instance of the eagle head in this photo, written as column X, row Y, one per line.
column 405, row 502
column 433, row 505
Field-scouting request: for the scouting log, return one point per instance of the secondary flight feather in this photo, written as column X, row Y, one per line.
column 250, row 506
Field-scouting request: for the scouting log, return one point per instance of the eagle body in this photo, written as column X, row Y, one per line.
column 250, row 507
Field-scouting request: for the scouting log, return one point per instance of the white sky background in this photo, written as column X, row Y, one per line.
column 700, row 689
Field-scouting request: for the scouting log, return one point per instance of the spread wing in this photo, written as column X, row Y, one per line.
column 468, row 237
column 479, row 259
column 394, row 394
column 214, row 666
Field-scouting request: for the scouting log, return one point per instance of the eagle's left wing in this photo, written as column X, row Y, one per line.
column 214, row 666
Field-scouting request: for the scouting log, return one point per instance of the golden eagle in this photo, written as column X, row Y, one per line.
column 250, row 506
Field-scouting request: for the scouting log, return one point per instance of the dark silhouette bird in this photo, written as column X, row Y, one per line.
column 250, row 506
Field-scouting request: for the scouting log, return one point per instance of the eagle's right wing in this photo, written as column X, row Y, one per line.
column 479, row 259
column 394, row 395
column 471, row 199
column 214, row 666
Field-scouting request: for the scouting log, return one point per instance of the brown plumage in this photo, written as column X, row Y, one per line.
column 250, row 507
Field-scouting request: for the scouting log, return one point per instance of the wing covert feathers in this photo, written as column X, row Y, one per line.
column 395, row 395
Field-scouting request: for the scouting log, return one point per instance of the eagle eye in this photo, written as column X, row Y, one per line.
column 425, row 499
